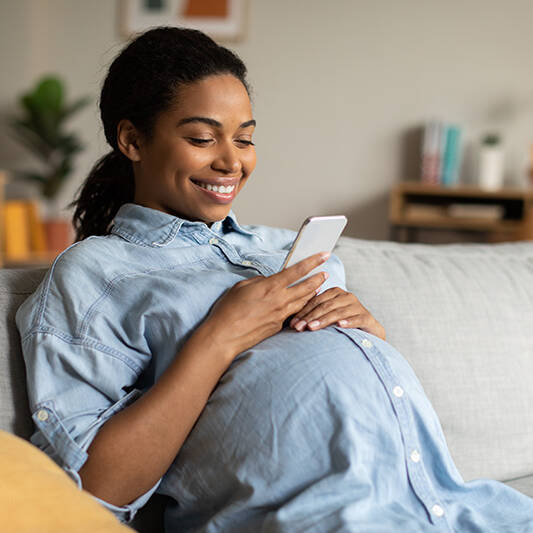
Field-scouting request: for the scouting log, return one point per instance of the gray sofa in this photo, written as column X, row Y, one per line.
column 462, row 315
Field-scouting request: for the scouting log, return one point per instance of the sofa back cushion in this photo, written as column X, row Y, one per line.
column 15, row 287
column 462, row 315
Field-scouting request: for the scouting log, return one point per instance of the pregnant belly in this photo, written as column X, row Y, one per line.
column 296, row 408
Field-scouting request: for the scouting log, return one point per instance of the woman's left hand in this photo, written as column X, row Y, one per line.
column 338, row 307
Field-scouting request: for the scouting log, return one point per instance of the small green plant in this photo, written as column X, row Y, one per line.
column 491, row 139
column 40, row 128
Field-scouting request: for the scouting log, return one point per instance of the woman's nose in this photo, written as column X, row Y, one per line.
column 227, row 160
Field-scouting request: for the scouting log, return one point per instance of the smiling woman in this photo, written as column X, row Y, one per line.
column 200, row 153
column 186, row 119
column 160, row 354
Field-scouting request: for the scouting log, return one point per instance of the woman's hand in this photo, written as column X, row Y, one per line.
column 339, row 307
column 256, row 308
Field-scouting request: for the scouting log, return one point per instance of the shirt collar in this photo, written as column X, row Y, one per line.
column 151, row 227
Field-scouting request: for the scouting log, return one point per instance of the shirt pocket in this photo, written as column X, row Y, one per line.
column 272, row 260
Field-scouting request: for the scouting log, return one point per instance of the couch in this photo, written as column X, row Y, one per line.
column 461, row 314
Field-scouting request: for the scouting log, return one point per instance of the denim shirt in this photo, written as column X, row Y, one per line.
column 113, row 312
column 322, row 430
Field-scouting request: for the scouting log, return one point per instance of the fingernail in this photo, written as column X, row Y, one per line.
column 313, row 324
column 343, row 323
column 293, row 321
column 326, row 276
column 325, row 255
column 300, row 325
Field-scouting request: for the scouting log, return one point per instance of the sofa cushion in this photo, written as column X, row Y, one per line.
column 15, row 287
column 37, row 495
column 462, row 315
column 522, row 484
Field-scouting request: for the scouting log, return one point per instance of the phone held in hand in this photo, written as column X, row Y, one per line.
column 317, row 234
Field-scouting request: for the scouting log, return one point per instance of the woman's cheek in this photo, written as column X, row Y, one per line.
column 250, row 162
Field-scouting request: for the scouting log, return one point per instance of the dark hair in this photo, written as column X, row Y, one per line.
column 143, row 81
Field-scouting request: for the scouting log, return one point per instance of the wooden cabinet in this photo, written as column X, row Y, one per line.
column 494, row 216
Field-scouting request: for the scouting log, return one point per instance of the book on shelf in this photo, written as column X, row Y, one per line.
column 23, row 234
column 479, row 211
column 416, row 211
column 440, row 153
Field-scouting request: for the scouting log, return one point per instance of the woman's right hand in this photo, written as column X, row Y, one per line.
column 254, row 309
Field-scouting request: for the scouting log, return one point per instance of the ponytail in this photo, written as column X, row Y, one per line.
column 109, row 185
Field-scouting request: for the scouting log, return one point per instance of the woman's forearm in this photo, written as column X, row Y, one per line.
column 137, row 445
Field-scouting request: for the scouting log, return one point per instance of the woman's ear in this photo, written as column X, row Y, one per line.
column 128, row 140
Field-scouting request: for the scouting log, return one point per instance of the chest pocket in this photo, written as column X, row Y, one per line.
column 270, row 260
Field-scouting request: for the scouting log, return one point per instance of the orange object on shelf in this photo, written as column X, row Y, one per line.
column 58, row 235
column 36, row 229
column 16, row 234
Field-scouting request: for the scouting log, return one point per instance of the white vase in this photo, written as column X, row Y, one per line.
column 491, row 167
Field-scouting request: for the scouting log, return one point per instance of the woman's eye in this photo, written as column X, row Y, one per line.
column 245, row 142
column 200, row 142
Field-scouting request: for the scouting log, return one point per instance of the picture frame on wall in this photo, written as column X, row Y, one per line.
column 222, row 20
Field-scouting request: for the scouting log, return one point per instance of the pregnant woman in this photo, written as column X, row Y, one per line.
column 165, row 352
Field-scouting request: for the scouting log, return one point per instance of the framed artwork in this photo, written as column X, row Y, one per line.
column 222, row 20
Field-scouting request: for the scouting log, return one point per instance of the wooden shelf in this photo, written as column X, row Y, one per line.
column 509, row 212
column 465, row 191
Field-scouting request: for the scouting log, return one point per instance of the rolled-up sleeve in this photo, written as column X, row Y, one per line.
column 74, row 387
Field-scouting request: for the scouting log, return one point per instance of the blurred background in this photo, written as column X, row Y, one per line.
column 342, row 92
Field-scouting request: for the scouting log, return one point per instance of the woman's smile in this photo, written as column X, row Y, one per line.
column 219, row 190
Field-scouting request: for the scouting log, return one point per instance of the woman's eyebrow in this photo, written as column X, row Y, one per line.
column 213, row 122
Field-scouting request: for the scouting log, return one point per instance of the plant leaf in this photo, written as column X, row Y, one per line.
column 74, row 107
column 31, row 176
column 49, row 94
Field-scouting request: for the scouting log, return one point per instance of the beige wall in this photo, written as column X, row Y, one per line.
column 339, row 87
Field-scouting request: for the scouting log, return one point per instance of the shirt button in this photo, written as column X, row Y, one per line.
column 246, row 263
column 42, row 415
column 366, row 343
column 415, row 456
column 397, row 391
column 437, row 510
column 213, row 240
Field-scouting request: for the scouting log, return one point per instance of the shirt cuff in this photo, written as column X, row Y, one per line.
column 54, row 438
column 127, row 512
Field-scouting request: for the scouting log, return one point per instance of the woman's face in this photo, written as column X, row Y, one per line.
column 201, row 144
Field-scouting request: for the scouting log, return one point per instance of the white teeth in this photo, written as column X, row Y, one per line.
column 216, row 188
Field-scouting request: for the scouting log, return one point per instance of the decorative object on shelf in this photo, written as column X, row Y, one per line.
column 491, row 162
column 222, row 20
column 41, row 130
column 40, row 127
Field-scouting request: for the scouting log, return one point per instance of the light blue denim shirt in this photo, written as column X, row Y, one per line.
column 324, row 430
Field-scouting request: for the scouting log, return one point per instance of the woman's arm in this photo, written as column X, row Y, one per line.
column 137, row 445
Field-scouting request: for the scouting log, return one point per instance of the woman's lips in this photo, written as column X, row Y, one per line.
column 218, row 197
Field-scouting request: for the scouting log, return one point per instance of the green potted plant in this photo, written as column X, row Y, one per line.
column 40, row 127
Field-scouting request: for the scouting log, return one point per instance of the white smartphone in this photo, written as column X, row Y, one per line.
column 317, row 234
